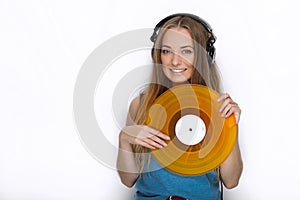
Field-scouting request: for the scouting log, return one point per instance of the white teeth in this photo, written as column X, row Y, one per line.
column 177, row 70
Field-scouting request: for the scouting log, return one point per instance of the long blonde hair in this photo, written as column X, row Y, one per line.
column 205, row 74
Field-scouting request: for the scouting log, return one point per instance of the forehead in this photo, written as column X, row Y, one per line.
column 177, row 36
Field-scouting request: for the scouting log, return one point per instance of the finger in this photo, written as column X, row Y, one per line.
column 152, row 143
column 157, row 133
column 229, row 112
column 237, row 113
column 225, row 111
column 145, row 144
column 159, row 141
column 225, row 104
column 223, row 97
column 234, row 109
column 230, row 106
column 237, row 117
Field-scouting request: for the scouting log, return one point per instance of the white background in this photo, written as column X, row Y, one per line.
column 43, row 45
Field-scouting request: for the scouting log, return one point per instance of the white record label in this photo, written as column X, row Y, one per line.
column 190, row 129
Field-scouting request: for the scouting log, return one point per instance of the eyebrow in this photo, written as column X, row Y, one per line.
column 182, row 47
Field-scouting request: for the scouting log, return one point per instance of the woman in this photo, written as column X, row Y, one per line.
column 183, row 53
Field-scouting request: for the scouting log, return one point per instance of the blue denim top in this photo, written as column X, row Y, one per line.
column 157, row 183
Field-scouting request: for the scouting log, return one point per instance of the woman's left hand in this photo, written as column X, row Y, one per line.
column 229, row 107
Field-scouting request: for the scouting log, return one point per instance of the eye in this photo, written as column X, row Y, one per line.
column 165, row 51
column 187, row 51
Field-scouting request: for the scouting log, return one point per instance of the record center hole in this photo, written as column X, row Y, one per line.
column 190, row 129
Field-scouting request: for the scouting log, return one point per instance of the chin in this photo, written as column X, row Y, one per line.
column 180, row 82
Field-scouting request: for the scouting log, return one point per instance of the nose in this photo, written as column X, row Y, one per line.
column 176, row 59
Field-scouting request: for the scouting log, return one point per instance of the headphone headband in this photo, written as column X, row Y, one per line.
column 209, row 44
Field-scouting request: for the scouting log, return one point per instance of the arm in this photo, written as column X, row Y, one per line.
column 127, row 168
column 231, row 169
column 135, row 134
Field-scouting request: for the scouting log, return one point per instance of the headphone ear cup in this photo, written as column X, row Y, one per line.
column 153, row 37
column 210, row 49
column 211, row 52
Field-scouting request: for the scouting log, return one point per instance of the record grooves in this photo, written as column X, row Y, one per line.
column 192, row 104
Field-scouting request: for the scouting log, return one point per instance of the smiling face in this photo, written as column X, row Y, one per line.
column 177, row 55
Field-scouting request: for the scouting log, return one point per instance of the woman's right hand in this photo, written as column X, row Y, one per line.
column 144, row 136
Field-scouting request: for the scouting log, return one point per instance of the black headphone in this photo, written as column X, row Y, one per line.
column 210, row 49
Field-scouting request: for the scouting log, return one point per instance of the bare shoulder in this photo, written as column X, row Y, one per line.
column 134, row 105
column 133, row 108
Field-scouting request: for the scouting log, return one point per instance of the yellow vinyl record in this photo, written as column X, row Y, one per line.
column 200, row 138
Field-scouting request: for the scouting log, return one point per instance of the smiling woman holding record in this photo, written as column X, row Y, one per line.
column 183, row 54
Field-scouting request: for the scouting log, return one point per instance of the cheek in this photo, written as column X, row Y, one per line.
column 190, row 73
column 190, row 60
column 189, row 65
column 164, row 60
column 165, row 70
